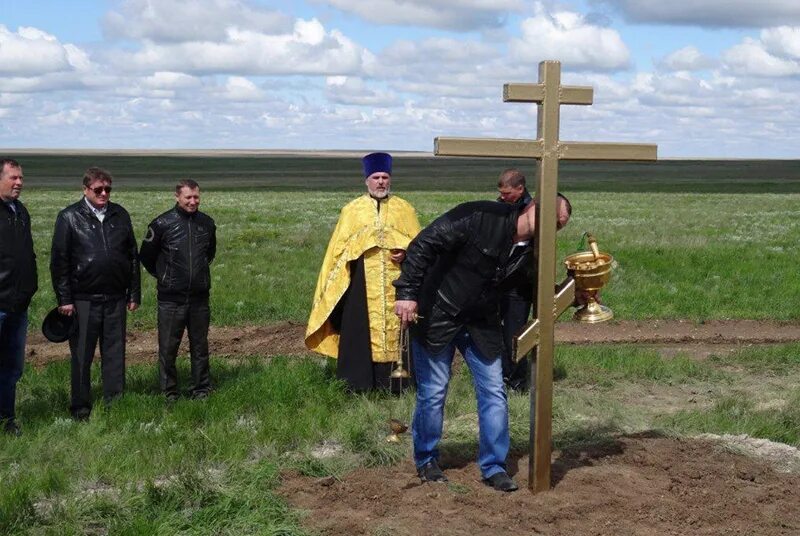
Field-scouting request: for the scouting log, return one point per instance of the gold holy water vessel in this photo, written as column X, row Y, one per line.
column 591, row 270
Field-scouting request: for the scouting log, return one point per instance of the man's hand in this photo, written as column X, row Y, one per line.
column 66, row 310
column 406, row 310
column 398, row 255
column 132, row 306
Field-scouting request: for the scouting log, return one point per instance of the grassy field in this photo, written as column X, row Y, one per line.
column 212, row 467
column 304, row 173
column 697, row 240
column 679, row 255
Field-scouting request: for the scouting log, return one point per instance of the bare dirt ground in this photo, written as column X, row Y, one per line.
column 669, row 336
column 638, row 485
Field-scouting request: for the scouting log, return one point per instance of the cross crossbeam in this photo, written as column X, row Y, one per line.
column 538, row 335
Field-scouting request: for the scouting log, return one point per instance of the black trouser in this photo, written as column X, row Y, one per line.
column 103, row 320
column 515, row 311
column 194, row 316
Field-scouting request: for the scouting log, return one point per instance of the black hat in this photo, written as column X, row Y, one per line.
column 57, row 327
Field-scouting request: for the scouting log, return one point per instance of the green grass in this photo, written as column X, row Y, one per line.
column 604, row 366
column 307, row 173
column 774, row 359
column 209, row 467
column 141, row 466
column 740, row 415
column 687, row 243
column 678, row 255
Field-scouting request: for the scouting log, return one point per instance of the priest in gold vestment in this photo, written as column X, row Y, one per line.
column 352, row 316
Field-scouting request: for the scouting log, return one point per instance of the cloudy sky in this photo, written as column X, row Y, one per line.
column 701, row 78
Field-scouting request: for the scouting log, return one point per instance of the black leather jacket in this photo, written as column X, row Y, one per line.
column 18, row 281
column 454, row 269
column 93, row 260
column 520, row 285
column 177, row 250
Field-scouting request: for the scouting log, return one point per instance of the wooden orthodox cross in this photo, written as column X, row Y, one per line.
column 549, row 94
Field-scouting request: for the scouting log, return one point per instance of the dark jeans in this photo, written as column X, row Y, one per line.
column 515, row 311
column 173, row 319
column 13, row 327
column 103, row 320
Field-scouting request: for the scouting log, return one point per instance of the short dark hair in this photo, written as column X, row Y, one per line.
column 187, row 183
column 10, row 162
column 511, row 177
column 96, row 174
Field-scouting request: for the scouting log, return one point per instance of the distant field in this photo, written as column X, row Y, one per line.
column 687, row 242
column 301, row 172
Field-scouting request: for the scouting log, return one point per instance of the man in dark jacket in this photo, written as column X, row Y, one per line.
column 178, row 249
column 515, row 302
column 17, row 285
column 450, row 281
column 519, row 290
column 95, row 272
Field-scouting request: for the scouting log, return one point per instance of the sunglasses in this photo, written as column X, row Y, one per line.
column 100, row 189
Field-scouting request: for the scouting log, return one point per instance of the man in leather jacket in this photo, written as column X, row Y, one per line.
column 17, row 285
column 450, row 282
column 178, row 249
column 95, row 273
column 519, row 291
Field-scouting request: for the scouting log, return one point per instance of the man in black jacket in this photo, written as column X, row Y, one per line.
column 519, row 291
column 17, row 285
column 178, row 249
column 515, row 302
column 95, row 273
column 450, row 281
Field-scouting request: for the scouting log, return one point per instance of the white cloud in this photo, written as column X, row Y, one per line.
column 458, row 15
column 688, row 58
column 190, row 20
column 238, row 88
column 308, row 49
column 570, row 38
column 353, row 91
column 735, row 13
column 782, row 41
column 170, row 80
column 750, row 58
column 30, row 52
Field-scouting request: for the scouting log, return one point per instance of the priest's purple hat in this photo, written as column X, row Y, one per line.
column 375, row 162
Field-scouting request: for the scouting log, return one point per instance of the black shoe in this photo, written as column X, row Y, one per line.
column 430, row 472
column 11, row 427
column 171, row 397
column 501, row 482
column 200, row 395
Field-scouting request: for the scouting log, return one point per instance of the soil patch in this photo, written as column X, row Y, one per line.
column 286, row 338
column 636, row 485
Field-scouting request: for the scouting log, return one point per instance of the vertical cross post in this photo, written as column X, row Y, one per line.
column 541, row 399
column 539, row 334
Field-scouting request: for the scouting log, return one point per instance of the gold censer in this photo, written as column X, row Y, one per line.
column 591, row 270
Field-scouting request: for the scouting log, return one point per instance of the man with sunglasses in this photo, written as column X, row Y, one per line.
column 95, row 272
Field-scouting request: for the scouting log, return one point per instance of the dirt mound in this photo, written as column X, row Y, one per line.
column 286, row 338
column 638, row 485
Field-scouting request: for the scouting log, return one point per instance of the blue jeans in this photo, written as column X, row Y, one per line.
column 433, row 375
column 13, row 329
